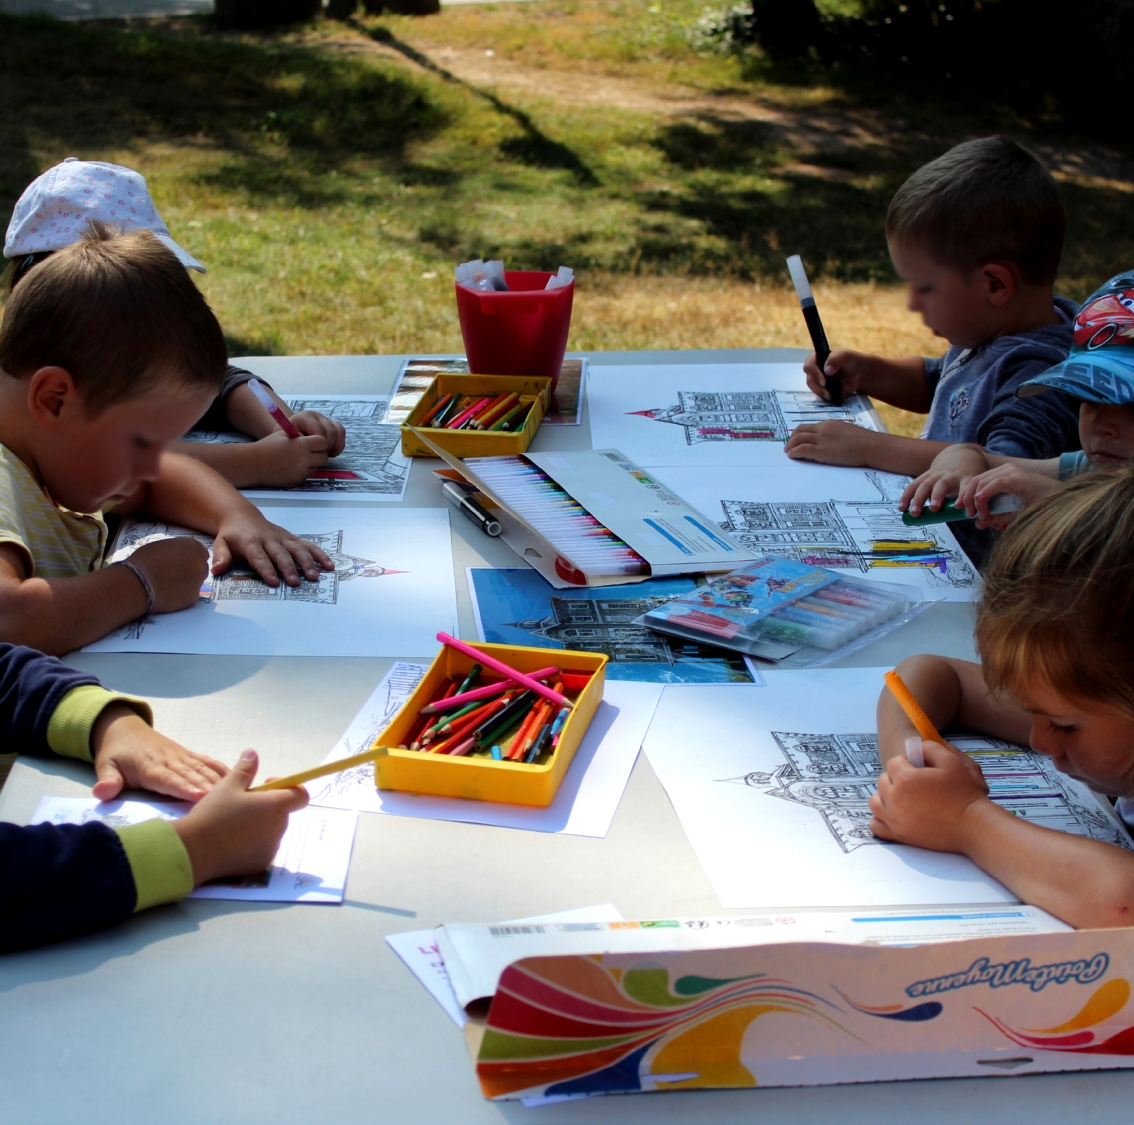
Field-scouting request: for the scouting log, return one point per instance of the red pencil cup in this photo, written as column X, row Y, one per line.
column 522, row 332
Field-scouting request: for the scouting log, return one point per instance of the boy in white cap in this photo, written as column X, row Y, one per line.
column 54, row 212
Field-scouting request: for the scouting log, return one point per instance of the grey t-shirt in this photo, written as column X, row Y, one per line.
column 215, row 417
column 974, row 393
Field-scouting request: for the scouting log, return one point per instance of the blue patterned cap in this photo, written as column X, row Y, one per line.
column 1100, row 367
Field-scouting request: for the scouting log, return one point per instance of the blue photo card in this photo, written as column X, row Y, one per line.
column 515, row 606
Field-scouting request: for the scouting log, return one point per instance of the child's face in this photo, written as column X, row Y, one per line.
column 1088, row 741
column 953, row 305
column 91, row 462
column 1107, row 433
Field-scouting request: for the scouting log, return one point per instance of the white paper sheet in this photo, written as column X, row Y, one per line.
column 843, row 519
column 310, row 866
column 709, row 414
column 372, row 464
column 771, row 786
column 418, row 949
column 587, row 799
column 391, row 592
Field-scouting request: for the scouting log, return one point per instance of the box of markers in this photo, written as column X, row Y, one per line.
column 777, row 609
column 508, row 425
column 475, row 774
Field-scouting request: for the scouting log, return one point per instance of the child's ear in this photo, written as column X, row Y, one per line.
column 52, row 396
column 999, row 282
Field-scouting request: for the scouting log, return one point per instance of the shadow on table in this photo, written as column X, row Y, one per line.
column 85, row 954
column 167, row 675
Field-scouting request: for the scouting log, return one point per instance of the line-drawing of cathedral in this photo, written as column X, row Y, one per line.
column 836, row 775
column 751, row 415
column 606, row 625
column 857, row 535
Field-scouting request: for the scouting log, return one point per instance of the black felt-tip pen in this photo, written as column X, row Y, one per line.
column 460, row 497
column 814, row 325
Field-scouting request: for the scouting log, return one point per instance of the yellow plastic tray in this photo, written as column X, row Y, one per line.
column 477, row 443
column 482, row 779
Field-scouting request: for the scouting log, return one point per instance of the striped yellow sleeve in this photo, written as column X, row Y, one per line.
column 159, row 862
column 69, row 731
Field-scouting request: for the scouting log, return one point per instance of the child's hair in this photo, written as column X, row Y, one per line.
column 1058, row 600
column 983, row 201
column 119, row 313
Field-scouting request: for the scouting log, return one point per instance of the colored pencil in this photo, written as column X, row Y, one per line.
column 482, row 692
column 503, row 669
column 294, row 780
column 912, row 708
column 466, row 413
column 435, row 409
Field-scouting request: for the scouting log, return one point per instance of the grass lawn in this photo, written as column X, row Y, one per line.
column 331, row 176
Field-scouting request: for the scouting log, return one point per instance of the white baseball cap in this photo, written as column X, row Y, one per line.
column 55, row 208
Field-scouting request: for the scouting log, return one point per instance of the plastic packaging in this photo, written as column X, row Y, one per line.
column 784, row 611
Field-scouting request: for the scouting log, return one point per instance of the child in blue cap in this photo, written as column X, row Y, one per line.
column 1099, row 373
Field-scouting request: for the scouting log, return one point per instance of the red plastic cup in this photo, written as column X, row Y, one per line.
column 521, row 332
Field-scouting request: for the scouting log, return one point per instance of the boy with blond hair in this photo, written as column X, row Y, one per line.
column 108, row 353
column 977, row 234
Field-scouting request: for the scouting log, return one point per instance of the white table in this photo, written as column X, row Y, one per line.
column 209, row 1013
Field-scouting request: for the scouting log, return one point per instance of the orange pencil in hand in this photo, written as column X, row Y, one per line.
column 912, row 708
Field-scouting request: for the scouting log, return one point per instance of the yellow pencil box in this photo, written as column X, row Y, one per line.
column 477, row 443
column 478, row 778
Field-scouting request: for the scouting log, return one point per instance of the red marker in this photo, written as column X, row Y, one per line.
column 273, row 408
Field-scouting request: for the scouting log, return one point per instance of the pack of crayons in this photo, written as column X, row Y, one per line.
column 492, row 723
column 593, row 518
column 477, row 414
column 778, row 608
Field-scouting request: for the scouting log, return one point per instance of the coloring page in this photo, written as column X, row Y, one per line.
column 771, row 786
column 822, row 515
column 709, row 415
column 390, row 593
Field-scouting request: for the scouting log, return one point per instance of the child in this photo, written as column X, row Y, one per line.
column 1053, row 630
column 977, row 234
column 58, row 881
column 108, row 352
column 53, row 212
column 1099, row 373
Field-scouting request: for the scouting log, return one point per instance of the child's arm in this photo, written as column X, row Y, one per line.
column 842, row 443
column 245, row 412
column 942, row 807
column 275, row 461
column 900, row 382
column 190, row 493
column 952, row 693
column 60, row 881
column 58, row 615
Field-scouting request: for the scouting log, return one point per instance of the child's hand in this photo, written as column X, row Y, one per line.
column 176, row 568
column 319, row 425
column 830, row 443
column 927, row 807
column 129, row 753
column 283, row 462
column 848, row 365
column 952, row 468
column 234, row 832
column 265, row 547
column 976, row 493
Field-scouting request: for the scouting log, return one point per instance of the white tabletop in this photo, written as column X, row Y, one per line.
column 217, row 1012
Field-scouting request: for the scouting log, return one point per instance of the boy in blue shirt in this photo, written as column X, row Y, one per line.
column 57, row 881
column 977, row 234
column 1098, row 374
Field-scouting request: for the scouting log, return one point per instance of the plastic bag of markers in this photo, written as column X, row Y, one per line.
column 489, row 277
column 788, row 613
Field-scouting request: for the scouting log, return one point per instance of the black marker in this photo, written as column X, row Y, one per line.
column 461, row 496
column 814, row 326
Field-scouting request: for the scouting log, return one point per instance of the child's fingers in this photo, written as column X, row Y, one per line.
column 109, row 781
column 317, row 553
column 300, row 551
column 881, row 829
column 337, row 442
column 257, row 558
column 222, row 555
column 207, row 765
column 282, row 561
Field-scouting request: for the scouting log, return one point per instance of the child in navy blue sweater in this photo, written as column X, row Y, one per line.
column 60, row 881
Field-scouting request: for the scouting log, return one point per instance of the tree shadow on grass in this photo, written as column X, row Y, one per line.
column 288, row 113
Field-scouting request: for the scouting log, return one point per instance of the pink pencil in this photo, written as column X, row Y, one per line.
column 485, row 692
column 467, row 413
column 529, row 682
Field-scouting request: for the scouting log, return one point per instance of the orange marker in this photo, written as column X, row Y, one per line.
column 912, row 708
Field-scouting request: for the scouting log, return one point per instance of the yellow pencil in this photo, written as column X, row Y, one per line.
column 296, row 779
column 912, row 708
